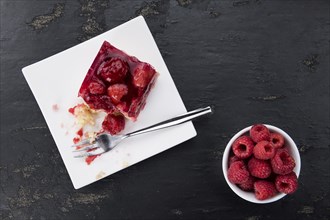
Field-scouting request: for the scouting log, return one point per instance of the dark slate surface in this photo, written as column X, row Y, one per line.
column 254, row 60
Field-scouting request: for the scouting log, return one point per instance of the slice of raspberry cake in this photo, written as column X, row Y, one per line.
column 117, row 83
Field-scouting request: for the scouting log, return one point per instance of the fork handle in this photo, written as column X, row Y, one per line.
column 173, row 121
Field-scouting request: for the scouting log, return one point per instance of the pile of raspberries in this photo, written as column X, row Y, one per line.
column 261, row 163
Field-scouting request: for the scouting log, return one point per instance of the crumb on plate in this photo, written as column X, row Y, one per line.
column 100, row 175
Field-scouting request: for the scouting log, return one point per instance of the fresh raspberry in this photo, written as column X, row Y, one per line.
column 287, row 184
column 113, row 71
column 248, row 185
column 282, row 163
column 233, row 159
column 238, row 173
column 259, row 132
column 113, row 123
column 264, row 189
column 259, row 168
column 117, row 91
column 243, row 147
column 142, row 75
column 96, row 88
column 277, row 140
column 264, row 150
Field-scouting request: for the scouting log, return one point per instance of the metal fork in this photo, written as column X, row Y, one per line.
column 105, row 142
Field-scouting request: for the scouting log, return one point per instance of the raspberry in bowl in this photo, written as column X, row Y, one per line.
column 261, row 164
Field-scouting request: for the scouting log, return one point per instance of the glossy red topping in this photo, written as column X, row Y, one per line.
column 117, row 82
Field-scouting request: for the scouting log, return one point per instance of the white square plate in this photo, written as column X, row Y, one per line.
column 57, row 79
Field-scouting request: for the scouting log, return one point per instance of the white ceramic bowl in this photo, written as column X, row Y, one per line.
column 249, row 196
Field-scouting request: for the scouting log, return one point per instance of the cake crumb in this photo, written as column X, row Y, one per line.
column 100, row 175
column 125, row 164
column 84, row 115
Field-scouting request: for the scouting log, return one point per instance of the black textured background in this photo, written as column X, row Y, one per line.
column 254, row 60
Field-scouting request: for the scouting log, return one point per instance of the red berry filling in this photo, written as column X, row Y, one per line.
column 90, row 159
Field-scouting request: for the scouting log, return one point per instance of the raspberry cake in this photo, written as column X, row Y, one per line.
column 117, row 83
